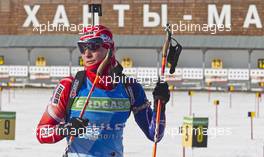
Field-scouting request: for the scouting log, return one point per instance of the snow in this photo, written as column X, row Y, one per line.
column 29, row 104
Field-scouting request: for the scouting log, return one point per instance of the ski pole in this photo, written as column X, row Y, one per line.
column 98, row 74
column 163, row 63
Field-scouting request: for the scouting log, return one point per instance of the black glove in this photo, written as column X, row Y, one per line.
column 74, row 127
column 161, row 91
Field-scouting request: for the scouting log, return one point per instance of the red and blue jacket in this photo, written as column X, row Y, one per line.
column 107, row 111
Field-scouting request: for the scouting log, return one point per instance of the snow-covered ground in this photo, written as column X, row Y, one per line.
column 232, row 140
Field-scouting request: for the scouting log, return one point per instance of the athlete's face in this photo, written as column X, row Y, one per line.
column 91, row 57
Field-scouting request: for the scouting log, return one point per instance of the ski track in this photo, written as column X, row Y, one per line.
column 29, row 105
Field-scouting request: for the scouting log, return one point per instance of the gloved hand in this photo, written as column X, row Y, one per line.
column 161, row 91
column 74, row 127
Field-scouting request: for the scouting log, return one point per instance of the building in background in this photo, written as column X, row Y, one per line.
column 230, row 32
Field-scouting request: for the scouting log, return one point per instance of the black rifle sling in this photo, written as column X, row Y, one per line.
column 75, row 88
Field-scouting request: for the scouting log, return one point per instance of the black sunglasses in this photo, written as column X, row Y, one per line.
column 90, row 44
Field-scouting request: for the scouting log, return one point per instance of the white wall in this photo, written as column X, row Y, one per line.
column 141, row 57
column 14, row 56
column 254, row 58
column 230, row 58
column 53, row 56
column 190, row 59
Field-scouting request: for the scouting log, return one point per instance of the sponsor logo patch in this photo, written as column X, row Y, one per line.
column 102, row 104
column 106, row 38
column 57, row 94
column 74, row 89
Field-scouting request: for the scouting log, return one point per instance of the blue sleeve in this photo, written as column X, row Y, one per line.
column 144, row 115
